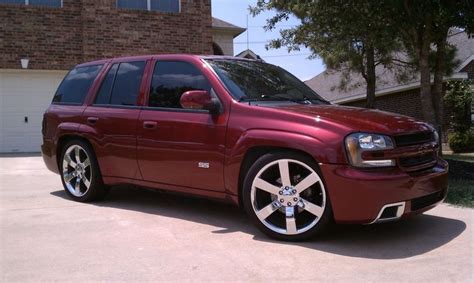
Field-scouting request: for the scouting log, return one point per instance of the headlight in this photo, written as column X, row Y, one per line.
column 358, row 143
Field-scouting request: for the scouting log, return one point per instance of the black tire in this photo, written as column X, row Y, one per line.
column 324, row 221
column 97, row 190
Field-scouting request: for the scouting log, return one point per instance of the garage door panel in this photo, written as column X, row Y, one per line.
column 24, row 93
column 12, row 103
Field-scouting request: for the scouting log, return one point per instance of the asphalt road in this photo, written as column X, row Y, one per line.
column 140, row 235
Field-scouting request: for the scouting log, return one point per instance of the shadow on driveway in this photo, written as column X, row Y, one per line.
column 395, row 240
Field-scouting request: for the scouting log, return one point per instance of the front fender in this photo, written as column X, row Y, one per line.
column 321, row 151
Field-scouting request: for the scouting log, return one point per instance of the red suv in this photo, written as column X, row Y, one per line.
column 242, row 131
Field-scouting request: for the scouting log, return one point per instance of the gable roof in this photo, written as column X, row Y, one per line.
column 249, row 54
column 218, row 24
column 327, row 83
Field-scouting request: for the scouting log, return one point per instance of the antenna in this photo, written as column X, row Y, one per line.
column 248, row 32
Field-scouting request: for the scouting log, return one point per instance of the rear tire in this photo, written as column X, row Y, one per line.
column 80, row 172
column 285, row 196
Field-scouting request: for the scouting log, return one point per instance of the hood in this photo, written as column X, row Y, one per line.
column 360, row 119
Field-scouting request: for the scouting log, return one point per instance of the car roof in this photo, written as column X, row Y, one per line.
column 162, row 56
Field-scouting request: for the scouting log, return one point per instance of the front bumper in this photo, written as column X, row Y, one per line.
column 359, row 196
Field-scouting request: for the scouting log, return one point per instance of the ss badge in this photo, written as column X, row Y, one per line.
column 204, row 165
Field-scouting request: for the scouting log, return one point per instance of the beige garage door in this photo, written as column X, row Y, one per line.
column 24, row 96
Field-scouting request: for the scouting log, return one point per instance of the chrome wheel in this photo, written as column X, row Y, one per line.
column 77, row 173
column 288, row 196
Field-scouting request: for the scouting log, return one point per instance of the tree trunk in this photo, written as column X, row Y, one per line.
column 438, row 97
column 426, row 98
column 370, row 78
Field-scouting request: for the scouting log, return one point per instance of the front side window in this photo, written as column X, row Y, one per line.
column 121, row 85
column 170, row 6
column 76, row 85
column 173, row 78
column 257, row 81
column 47, row 3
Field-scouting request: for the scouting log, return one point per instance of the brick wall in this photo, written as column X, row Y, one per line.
column 85, row 30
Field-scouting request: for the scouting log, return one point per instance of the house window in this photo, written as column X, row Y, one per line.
column 170, row 6
column 46, row 3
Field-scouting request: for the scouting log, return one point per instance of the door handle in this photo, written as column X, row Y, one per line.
column 149, row 125
column 92, row 120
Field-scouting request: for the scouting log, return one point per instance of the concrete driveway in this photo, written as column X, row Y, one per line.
column 139, row 235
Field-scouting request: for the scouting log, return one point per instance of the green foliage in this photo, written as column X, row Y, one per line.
column 459, row 96
column 461, row 141
column 341, row 32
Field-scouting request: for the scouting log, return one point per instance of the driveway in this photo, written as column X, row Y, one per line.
column 140, row 235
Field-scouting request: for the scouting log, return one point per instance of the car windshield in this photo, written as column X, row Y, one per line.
column 258, row 81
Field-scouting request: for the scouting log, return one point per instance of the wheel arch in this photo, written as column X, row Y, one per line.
column 63, row 140
column 254, row 153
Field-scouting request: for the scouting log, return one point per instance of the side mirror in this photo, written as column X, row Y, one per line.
column 199, row 99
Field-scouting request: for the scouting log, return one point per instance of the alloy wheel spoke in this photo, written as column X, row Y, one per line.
column 86, row 163
column 69, row 161
column 284, row 173
column 68, row 177
column 313, row 208
column 77, row 153
column 264, row 185
column 290, row 220
column 268, row 210
column 307, row 182
column 86, row 182
column 77, row 186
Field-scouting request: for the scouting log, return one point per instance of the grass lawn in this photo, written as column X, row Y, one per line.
column 461, row 178
column 461, row 192
column 467, row 157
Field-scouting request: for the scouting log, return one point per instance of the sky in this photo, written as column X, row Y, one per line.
column 236, row 12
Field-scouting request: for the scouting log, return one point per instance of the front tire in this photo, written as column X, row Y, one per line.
column 285, row 196
column 80, row 172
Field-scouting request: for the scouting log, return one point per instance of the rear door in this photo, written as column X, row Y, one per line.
column 112, row 117
column 179, row 146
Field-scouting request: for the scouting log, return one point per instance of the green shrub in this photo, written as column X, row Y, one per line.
column 459, row 96
column 461, row 141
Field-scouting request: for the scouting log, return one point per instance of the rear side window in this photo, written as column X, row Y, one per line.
column 103, row 97
column 173, row 78
column 121, row 85
column 76, row 85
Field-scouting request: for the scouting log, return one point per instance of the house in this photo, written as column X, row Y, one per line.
column 391, row 94
column 223, row 34
column 249, row 54
column 40, row 40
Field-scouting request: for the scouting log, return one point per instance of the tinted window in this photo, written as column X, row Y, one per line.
column 254, row 80
column 132, row 4
column 76, row 84
column 165, row 5
column 103, row 96
column 127, row 83
column 171, row 80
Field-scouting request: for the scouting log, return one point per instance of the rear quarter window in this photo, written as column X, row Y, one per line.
column 75, row 86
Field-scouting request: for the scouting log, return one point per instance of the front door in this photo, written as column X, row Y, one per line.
column 179, row 146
